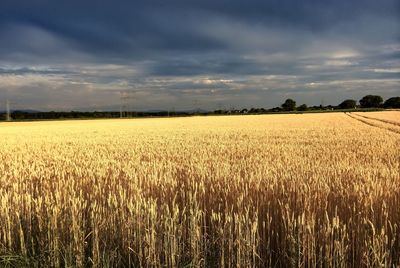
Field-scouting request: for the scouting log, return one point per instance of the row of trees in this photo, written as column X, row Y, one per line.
column 24, row 115
column 369, row 101
column 372, row 101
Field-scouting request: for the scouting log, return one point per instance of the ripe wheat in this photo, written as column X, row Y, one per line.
column 310, row 190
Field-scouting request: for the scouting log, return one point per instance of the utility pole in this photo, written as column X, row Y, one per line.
column 8, row 113
column 125, row 97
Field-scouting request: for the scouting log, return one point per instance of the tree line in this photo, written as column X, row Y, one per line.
column 369, row 101
column 52, row 115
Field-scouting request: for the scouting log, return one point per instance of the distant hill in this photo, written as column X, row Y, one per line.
column 28, row 111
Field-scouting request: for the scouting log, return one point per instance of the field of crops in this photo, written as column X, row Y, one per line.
column 300, row 190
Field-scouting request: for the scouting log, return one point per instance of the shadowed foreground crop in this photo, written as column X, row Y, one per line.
column 244, row 191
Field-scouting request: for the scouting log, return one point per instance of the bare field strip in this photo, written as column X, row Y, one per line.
column 304, row 190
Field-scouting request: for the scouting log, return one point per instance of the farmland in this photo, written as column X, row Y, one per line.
column 294, row 190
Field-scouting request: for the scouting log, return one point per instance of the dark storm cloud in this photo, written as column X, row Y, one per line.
column 83, row 53
column 135, row 27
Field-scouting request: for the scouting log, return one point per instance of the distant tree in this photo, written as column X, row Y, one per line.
column 393, row 102
column 275, row 109
column 348, row 104
column 302, row 107
column 371, row 101
column 289, row 105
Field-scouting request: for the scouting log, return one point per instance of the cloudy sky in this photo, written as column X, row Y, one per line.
column 70, row 54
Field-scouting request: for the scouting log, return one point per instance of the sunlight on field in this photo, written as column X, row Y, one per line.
column 393, row 116
column 300, row 190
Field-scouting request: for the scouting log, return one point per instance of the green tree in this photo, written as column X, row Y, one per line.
column 302, row 107
column 348, row 104
column 289, row 105
column 371, row 101
column 393, row 102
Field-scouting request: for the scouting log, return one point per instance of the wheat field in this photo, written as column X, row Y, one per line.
column 298, row 190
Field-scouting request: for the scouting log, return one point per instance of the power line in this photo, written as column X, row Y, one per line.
column 124, row 97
